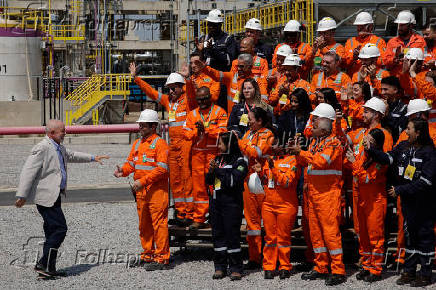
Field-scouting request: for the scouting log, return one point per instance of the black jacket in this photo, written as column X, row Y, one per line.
column 223, row 51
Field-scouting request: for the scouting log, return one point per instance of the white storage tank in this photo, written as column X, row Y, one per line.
column 20, row 62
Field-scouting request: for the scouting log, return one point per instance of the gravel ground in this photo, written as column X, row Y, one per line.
column 13, row 158
column 113, row 226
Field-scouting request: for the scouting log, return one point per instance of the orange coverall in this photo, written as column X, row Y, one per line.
column 324, row 173
column 411, row 90
column 370, row 184
column 201, row 80
column 255, row 145
column 335, row 81
column 415, row 40
column 274, row 97
column 354, row 114
column 353, row 65
column 204, row 148
column 148, row 160
column 304, row 50
column 356, row 139
column 180, row 149
column 260, row 67
column 234, row 82
column 279, row 211
column 315, row 58
column 429, row 91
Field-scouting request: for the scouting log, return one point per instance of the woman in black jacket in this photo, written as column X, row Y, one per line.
column 226, row 174
column 414, row 162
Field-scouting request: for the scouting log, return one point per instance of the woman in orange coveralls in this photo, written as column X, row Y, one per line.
column 280, row 175
column 255, row 145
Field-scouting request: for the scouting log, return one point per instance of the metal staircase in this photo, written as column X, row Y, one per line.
column 94, row 92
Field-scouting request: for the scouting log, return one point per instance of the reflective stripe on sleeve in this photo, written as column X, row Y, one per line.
column 253, row 232
column 324, row 172
column 176, row 124
column 144, row 167
column 163, row 165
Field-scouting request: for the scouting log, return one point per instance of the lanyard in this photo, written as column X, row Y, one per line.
column 174, row 106
column 248, row 107
column 222, row 163
column 208, row 115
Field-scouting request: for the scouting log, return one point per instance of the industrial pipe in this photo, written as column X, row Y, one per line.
column 76, row 129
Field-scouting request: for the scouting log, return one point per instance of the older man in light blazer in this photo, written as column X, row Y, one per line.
column 43, row 179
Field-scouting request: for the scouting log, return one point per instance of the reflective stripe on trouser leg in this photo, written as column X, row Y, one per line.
column 270, row 249
column 200, row 164
column 176, row 182
column 157, row 203
column 324, row 217
column 253, row 216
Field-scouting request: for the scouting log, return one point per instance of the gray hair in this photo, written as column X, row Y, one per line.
column 325, row 124
column 53, row 125
column 246, row 58
column 334, row 55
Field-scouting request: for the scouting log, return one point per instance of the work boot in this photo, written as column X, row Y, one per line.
column 284, row 274
column 138, row 263
column 235, row 276
column 251, row 265
column 335, row 279
column 268, row 275
column 304, row 267
column 406, row 278
column 218, row 275
column 421, row 281
column 155, row 266
column 177, row 222
column 187, row 222
column 196, row 226
column 362, row 274
column 313, row 275
column 372, row 278
column 42, row 271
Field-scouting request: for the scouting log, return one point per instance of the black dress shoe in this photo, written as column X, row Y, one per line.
column 138, row 263
column 406, row 278
column 251, row 265
column 284, row 274
column 187, row 222
column 335, row 279
column 268, row 275
column 313, row 275
column 372, row 278
column 362, row 274
column 235, row 276
column 218, row 275
column 421, row 281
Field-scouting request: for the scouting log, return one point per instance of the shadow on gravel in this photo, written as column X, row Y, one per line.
column 76, row 270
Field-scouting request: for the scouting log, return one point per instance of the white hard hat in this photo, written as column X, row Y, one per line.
column 215, row 16
column 292, row 59
column 376, row 104
column 148, row 116
column 174, row 78
column 324, row 110
column 254, row 24
column 292, row 26
column 417, row 106
column 327, row 23
column 369, row 50
column 405, row 17
column 284, row 50
column 254, row 184
column 363, row 18
column 414, row 53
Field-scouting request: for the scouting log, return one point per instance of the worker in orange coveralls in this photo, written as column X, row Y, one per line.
column 148, row 161
column 178, row 104
column 324, row 174
column 202, row 128
column 365, row 27
column 233, row 81
column 255, row 145
column 398, row 46
column 279, row 210
column 369, row 180
column 260, row 65
column 199, row 79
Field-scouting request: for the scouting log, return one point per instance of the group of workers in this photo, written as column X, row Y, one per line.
column 256, row 133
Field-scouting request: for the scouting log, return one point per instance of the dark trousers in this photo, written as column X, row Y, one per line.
column 419, row 241
column 55, row 230
column 226, row 217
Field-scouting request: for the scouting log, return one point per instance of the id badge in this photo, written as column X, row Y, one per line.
column 172, row 116
column 409, row 172
column 206, row 124
column 244, row 120
column 400, row 171
column 217, row 184
column 283, row 99
column 270, row 183
column 236, row 98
